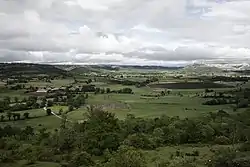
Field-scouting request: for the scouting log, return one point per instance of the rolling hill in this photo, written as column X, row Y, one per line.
column 17, row 69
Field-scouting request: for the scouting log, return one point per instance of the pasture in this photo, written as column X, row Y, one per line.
column 185, row 106
column 146, row 94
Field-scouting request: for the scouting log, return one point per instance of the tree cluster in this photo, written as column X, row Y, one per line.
column 118, row 141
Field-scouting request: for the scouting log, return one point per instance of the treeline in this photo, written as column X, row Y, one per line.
column 14, row 81
column 19, row 104
column 108, row 90
column 239, row 103
column 230, row 79
column 25, row 69
column 240, row 98
column 135, row 83
column 162, row 93
column 117, row 141
column 33, row 102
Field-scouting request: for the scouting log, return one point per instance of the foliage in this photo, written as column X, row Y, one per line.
column 82, row 159
column 127, row 157
column 48, row 111
column 222, row 140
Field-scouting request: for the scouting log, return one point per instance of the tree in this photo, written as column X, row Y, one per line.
column 212, row 116
column 49, row 103
column 158, row 135
column 26, row 115
column 7, row 99
column 102, row 91
column 102, row 131
column 16, row 99
column 108, row 90
column 221, row 94
column 127, row 157
column 43, row 103
column 28, row 131
column 97, row 90
column 75, row 80
column 70, row 108
column 223, row 158
column 35, row 105
column 243, row 103
column 163, row 93
column 76, row 103
column 89, row 81
column 24, row 100
column 60, row 111
column 9, row 114
column 2, row 118
column 222, row 140
column 127, row 90
column 81, row 159
column 55, row 100
column 49, row 112
column 176, row 162
column 16, row 116
column 221, row 114
column 138, row 140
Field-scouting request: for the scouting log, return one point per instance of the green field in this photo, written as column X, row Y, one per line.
column 124, row 104
column 191, row 124
column 152, row 157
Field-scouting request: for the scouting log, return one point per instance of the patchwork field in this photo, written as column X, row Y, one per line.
column 163, row 118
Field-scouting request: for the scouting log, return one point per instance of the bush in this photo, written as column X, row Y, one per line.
column 245, row 147
column 222, row 140
column 2, row 143
column 12, row 145
column 70, row 108
column 5, row 157
column 79, row 159
column 194, row 153
column 176, row 162
column 26, row 115
column 223, row 158
column 127, row 157
column 243, row 103
column 140, row 141
column 49, row 112
column 241, row 162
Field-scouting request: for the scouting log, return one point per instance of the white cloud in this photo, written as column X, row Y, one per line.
column 123, row 31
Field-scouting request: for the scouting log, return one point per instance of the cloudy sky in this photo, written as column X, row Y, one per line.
column 165, row 32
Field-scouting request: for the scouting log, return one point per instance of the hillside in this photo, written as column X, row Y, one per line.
column 83, row 69
column 202, row 69
column 16, row 69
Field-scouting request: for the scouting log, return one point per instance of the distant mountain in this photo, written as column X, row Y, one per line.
column 150, row 67
column 106, row 67
column 235, row 67
column 217, row 68
column 202, row 69
column 17, row 69
column 83, row 69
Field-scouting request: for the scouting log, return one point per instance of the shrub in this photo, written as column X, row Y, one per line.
column 245, row 147
column 127, row 156
column 222, row 140
column 5, row 157
column 79, row 159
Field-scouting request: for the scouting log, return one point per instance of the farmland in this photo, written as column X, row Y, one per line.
column 163, row 114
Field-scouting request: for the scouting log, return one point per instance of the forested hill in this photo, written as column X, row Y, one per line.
column 17, row 69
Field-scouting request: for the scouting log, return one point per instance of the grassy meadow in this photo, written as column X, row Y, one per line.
column 185, row 101
column 185, row 106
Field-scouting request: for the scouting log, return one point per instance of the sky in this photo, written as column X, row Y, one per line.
column 152, row 32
